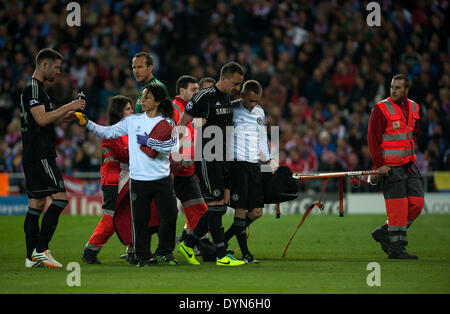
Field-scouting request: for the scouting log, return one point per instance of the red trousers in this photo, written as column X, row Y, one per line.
column 404, row 194
column 103, row 231
column 188, row 192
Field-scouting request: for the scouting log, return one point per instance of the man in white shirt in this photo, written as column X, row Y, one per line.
column 250, row 147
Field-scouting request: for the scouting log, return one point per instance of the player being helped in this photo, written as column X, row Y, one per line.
column 249, row 143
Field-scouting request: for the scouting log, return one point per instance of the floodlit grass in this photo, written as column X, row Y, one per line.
column 329, row 255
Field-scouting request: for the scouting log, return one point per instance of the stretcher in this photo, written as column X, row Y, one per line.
column 357, row 176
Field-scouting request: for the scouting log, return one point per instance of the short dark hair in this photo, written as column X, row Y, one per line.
column 403, row 77
column 252, row 86
column 204, row 80
column 48, row 54
column 147, row 56
column 183, row 82
column 115, row 109
column 159, row 93
column 230, row 68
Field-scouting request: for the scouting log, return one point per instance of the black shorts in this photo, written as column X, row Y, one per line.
column 43, row 178
column 110, row 193
column 246, row 189
column 213, row 177
column 187, row 189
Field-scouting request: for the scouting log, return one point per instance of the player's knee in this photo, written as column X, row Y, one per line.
column 37, row 203
column 240, row 213
column 255, row 213
column 60, row 196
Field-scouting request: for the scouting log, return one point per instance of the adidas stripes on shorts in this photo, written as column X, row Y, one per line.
column 213, row 179
column 43, row 178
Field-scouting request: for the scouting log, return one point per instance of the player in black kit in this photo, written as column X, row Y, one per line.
column 38, row 117
column 214, row 105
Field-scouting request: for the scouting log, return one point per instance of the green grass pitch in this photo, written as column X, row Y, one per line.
column 329, row 255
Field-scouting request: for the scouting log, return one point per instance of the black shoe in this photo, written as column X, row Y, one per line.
column 142, row 262
column 402, row 255
column 381, row 235
column 249, row 259
column 131, row 258
column 169, row 259
column 90, row 257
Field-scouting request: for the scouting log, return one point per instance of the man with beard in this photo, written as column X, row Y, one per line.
column 38, row 117
column 392, row 126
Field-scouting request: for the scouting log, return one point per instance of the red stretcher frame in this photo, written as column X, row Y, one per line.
column 319, row 204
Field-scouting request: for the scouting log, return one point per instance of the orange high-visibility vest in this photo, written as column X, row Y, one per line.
column 398, row 140
column 187, row 165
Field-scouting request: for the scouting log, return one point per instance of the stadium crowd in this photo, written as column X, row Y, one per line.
column 321, row 65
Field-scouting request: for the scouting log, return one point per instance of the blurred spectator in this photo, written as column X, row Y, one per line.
column 5, row 151
column 12, row 136
column 329, row 163
column 6, row 102
column 67, row 151
column 147, row 14
column 314, row 86
column 410, row 57
column 343, row 79
column 275, row 93
column 302, row 159
column 106, row 93
column 92, row 151
column 324, row 145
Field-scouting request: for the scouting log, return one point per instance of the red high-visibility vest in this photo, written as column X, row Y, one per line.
column 110, row 168
column 187, row 165
column 398, row 140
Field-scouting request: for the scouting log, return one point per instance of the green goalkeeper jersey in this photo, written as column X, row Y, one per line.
column 153, row 80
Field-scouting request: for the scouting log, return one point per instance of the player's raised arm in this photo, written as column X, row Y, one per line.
column 44, row 118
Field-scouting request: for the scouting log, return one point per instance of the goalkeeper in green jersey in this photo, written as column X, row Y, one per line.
column 142, row 66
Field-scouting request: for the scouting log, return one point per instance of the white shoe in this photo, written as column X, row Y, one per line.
column 45, row 258
column 31, row 264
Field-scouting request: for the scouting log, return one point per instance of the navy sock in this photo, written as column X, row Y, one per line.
column 216, row 229
column 236, row 227
column 31, row 230
column 241, row 237
column 49, row 224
